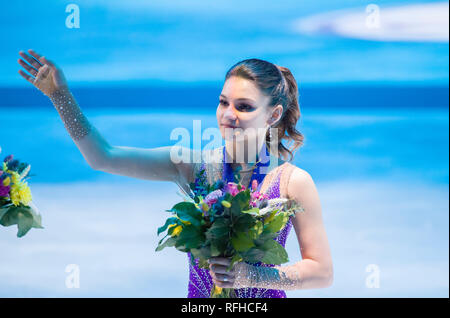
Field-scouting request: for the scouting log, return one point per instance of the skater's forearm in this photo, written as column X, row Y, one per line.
column 91, row 144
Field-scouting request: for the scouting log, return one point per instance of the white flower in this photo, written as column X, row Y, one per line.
column 273, row 204
column 25, row 172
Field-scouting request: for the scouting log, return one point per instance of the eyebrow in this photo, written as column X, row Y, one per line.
column 249, row 99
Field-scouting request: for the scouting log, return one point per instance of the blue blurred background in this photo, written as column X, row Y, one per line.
column 374, row 116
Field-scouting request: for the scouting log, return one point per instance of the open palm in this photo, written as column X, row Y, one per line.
column 42, row 73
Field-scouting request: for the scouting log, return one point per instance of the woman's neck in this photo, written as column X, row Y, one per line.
column 245, row 159
column 239, row 154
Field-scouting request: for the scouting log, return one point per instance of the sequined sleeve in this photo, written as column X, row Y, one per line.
column 75, row 122
column 88, row 140
column 287, row 277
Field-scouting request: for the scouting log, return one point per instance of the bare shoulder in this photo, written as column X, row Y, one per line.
column 299, row 181
column 194, row 159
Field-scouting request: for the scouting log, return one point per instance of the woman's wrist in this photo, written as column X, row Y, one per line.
column 62, row 91
column 277, row 277
column 241, row 275
column 74, row 120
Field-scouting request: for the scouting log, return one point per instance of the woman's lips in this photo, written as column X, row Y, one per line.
column 228, row 126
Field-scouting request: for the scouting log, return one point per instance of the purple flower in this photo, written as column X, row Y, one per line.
column 8, row 158
column 213, row 197
column 4, row 190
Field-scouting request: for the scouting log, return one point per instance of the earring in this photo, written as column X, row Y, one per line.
column 270, row 132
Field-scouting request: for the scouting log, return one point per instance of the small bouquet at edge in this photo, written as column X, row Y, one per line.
column 228, row 220
column 16, row 206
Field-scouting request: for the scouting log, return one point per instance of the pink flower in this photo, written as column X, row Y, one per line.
column 256, row 198
column 213, row 197
column 254, row 185
column 232, row 188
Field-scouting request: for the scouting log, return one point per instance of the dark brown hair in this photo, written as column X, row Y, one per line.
column 279, row 84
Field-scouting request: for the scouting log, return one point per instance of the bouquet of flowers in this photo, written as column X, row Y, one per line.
column 15, row 197
column 228, row 220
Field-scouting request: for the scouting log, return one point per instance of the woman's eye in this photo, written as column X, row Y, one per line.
column 246, row 107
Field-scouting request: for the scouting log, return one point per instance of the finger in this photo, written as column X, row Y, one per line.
column 220, row 260
column 224, row 277
column 36, row 64
column 218, row 283
column 219, row 269
column 47, row 61
column 30, row 69
column 36, row 56
column 26, row 76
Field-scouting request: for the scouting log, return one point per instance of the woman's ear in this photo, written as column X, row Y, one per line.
column 276, row 115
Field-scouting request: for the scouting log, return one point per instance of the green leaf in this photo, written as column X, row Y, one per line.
column 190, row 237
column 25, row 222
column 256, row 230
column 274, row 253
column 278, row 222
column 169, row 221
column 253, row 255
column 169, row 242
column 203, row 263
column 243, row 223
column 236, row 258
column 163, row 238
column 242, row 199
column 240, row 202
column 201, row 253
column 37, row 220
column 220, row 229
column 242, row 242
column 215, row 248
column 195, row 252
column 3, row 211
column 23, row 216
column 19, row 215
column 219, row 247
column 187, row 211
column 265, row 236
column 252, row 211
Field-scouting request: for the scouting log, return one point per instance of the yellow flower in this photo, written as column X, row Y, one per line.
column 20, row 193
column 183, row 221
column 7, row 181
column 176, row 231
column 15, row 177
column 217, row 290
column 226, row 204
column 205, row 207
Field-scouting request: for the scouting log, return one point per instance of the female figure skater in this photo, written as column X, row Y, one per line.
column 257, row 97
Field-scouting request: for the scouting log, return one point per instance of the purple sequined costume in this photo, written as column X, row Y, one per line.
column 200, row 281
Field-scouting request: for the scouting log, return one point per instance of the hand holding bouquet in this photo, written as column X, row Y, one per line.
column 16, row 206
column 228, row 220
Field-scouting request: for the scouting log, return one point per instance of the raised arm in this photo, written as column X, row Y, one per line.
column 151, row 164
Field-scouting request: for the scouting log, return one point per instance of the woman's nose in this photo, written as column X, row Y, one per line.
column 230, row 113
